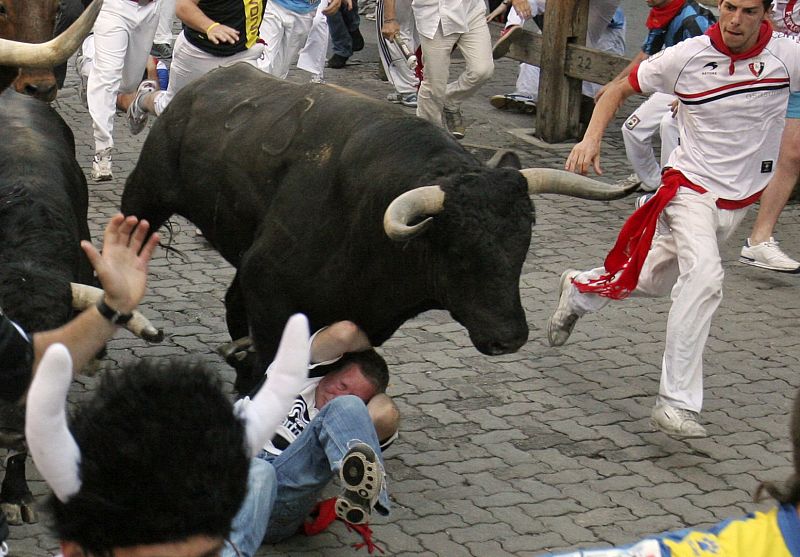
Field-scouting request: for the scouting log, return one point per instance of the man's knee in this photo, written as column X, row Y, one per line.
column 346, row 405
column 481, row 72
column 261, row 478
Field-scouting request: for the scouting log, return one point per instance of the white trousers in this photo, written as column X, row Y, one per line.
column 285, row 33
column 123, row 35
column 312, row 56
column 166, row 15
column 400, row 75
column 435, row 93
column 190, row 63
column 684, row 263
column 653, row 115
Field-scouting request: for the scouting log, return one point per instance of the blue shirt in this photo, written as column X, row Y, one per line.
column 691, row 21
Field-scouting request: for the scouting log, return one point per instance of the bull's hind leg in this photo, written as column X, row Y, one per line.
column 16, row 498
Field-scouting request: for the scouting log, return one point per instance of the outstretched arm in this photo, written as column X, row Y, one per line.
column 122, row 270
column 587, row 152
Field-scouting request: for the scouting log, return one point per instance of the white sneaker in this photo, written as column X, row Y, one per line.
column 362, row 479
column 677, row 422
column 642, row 199
column 561, row 323
column 137, row 116
column 768, row 255
column 101, row 166
column 631, row 182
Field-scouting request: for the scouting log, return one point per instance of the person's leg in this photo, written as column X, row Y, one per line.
column 166, row 14
column 295, row 28
column 312, row 56
column 394, row 62
column 140, row 39
column 696, row 226
column 309, row 463
column 273, row 32
column 760, row 249
column 670, row 136
column 340, row 35
column 637, row 133
column 431, row 96
column 476, row 47
column 250, row 523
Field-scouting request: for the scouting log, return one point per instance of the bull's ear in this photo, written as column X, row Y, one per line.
column 504, row 158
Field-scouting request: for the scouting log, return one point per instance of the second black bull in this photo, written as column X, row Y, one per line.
column 342, row 207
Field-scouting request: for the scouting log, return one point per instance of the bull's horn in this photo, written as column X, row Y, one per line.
column 54, row 450
column 548, row 180
column 84, row 296
column 407, row 207
column 53, row 52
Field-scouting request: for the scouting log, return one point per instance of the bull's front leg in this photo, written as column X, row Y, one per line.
column 16, row 498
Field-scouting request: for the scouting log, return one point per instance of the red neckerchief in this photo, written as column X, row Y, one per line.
column 324, row 514
column 764, row 35
column 660, row 17
column 625, row 261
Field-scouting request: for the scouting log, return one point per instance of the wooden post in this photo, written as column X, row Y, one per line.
column 558, row 107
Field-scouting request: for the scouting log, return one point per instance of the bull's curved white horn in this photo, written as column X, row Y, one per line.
column 53, row 52
column 84, row 296
column 406, row 207
column 285, row 378
column 54, row 450
column 549, row 180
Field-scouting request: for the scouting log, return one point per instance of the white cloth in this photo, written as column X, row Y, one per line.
column 452, row 16
column 400, row 75
column 285, row 33
column 435, row 93
column 755, row 93
column 653, row 115
column 190, row 63
column 123, row 35
column 166, row 15
column 685, row 264
column 312, row 56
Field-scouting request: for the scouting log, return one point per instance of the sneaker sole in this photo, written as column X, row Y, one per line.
column 103, row 178
column 754, row 263
column 361, row 476
column 501, row 102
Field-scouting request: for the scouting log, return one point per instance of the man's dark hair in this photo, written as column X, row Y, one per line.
column 162, row 459
column 372, row 365
column 790, row 492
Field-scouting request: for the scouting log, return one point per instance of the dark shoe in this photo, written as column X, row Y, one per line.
column 161, row 51
column 454, row 121
column 362, row 479
column 358, row 40
column 337, row 61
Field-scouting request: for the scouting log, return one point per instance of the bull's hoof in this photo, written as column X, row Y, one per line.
column 236, row 351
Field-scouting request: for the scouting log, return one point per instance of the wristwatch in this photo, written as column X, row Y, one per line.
column 112, row 315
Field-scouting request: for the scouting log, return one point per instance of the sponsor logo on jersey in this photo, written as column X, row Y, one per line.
column 766, row 167
column 632, row 122
column 791, row 19
column 710, row 69
column 756, row 68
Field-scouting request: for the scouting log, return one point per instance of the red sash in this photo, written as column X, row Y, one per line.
column 625, row 260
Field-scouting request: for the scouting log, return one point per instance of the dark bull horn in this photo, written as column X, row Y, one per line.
column 84, row 296
column 408, row 207
column 548, row 180
column 53, row 52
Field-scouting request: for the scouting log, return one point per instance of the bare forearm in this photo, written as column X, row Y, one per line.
column 84, row 336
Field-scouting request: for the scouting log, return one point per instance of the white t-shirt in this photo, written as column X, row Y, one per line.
column 730, row 124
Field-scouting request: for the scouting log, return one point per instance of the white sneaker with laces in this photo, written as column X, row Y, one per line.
column 561, row 323
column 629, row 182
column 677, row 422
column 137, row 116
column 101, row 166
column 768, row 255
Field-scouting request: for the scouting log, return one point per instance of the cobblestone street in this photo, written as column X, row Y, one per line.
column 544, row 449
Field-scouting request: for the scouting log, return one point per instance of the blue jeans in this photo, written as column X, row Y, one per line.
column 282, row 490
column 340, row 24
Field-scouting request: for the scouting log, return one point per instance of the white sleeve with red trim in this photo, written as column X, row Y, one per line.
column 660, row 72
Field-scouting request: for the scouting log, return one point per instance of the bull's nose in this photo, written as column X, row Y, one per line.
column 498, row 347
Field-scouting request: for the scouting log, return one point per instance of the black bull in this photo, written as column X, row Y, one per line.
column 43, row 206
column 290, row 184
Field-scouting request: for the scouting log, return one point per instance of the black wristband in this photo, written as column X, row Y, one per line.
column 112, row 315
